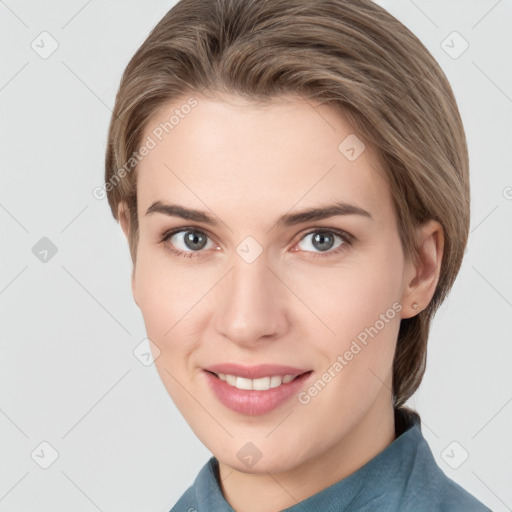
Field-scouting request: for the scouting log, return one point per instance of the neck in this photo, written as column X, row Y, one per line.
column 247, row 492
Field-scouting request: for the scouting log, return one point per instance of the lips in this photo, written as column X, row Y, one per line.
column 256, row 389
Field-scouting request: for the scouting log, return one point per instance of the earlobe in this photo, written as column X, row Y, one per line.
column 424, row 275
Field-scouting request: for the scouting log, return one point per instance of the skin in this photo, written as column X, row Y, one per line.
column 247, row 164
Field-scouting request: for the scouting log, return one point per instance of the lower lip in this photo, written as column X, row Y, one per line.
column 252, row 402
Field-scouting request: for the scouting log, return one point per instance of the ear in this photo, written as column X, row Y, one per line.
column 421, row 277
column 124, row 221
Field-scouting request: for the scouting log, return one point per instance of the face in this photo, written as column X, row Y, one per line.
column 250, row 294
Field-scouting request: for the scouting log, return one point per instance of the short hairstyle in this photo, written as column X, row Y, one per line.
column 349, row 54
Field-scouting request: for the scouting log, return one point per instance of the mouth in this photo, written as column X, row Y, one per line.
column 260, row 384
column 255, row 390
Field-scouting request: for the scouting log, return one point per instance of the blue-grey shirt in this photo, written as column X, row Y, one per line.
column 404, row 477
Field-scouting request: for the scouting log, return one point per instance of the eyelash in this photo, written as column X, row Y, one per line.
column 348, row 240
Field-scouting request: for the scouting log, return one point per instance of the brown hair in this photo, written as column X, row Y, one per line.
column 351, row 54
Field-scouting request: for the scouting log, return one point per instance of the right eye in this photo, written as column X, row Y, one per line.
column 184, row 242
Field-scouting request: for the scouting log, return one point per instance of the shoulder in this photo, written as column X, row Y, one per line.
column 451, row 497
column 431, row 490
column 434, row 491
column 204, row 490
column 187, row 502
column 427, row 488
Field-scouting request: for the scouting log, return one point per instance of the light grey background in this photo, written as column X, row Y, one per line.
column 68, row 375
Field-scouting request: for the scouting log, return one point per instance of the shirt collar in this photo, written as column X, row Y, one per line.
column 383, row 478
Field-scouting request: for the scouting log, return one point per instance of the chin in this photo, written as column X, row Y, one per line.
column 259, row 457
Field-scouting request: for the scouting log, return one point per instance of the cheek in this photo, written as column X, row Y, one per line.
column 170, row 300
column 361, row 306
column 155, row 294
column 161, row 289
column 352, row 296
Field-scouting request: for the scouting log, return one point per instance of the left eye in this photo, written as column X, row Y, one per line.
column 323, row 241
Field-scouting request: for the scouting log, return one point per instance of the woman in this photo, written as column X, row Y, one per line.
column 292, row 179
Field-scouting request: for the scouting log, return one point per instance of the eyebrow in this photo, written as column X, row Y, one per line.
column 289, row 219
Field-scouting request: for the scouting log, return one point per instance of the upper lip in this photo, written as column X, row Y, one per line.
column 254, row 372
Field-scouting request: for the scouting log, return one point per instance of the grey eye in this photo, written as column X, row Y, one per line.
column 321, row 241
column 189, row 240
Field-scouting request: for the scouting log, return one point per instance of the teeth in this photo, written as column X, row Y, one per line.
column 262, row 384
column 275, row 381
column 242, row 383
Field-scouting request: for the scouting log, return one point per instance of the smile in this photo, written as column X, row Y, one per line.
column 261, row 384
column 255, row 390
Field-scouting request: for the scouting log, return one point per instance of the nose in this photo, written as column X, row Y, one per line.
column 251, row 303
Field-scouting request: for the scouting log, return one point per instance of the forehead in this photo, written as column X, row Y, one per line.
column 256, row 159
